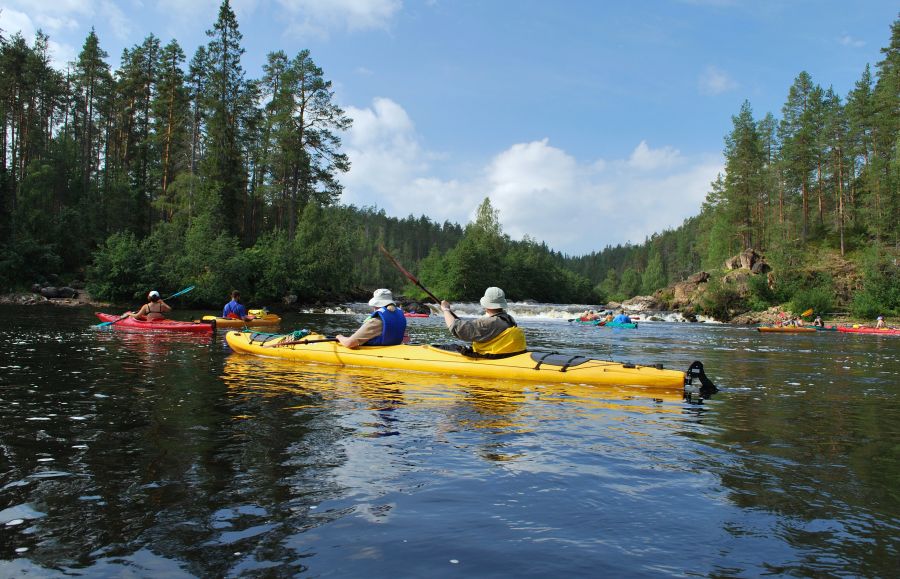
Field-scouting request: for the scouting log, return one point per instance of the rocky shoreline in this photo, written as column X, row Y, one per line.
column 81, row 298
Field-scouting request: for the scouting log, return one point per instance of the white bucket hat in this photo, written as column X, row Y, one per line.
column 494, row 299
column 381, row 297
column 153, row 294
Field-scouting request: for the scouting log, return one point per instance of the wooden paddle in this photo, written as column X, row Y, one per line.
column 411, row 277
column 175, row 295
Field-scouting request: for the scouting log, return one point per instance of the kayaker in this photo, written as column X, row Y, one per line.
column 879, row 323
column 494, row 334
column 622, row 318
column 152, row 310
column 385, row 327
column 235, row 310
column 818, row 322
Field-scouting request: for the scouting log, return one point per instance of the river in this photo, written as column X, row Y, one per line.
column 129, row 455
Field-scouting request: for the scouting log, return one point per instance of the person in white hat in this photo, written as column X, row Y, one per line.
column 493, row 335
column 153, row 309
column 385, row 327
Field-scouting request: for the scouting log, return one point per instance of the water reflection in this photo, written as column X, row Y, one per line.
column 502, row 403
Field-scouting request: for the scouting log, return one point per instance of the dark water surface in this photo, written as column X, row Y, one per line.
column 166, row 456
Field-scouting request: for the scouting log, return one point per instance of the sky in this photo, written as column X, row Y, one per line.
column 588, row 123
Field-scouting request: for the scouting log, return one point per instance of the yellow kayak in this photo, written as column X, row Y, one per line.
column 532, row 366
column 253, row 376
column 259, row 321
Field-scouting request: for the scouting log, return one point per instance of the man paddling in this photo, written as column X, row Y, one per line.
column 494, row 334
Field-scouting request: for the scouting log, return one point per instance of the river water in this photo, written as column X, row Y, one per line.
column 129, row 455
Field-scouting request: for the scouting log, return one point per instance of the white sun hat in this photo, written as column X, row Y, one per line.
column 494, row 299
column 381, row 297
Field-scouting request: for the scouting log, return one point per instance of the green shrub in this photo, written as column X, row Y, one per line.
column 819, row 299
column 118, row 269
column 721, row 302
column 761, row 295
column 881, row 287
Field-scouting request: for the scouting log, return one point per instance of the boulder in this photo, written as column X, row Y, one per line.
column 686, row 293
column 641, row 303
column 748, row 257
column 760, row 267
column 699, row 277
column 54, row 293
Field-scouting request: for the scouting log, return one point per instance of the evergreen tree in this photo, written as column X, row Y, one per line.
column 744, row 185
column 171, row 124
column 797, row 134
column 223, row 100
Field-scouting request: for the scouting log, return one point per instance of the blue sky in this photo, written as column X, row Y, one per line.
column 587, row 123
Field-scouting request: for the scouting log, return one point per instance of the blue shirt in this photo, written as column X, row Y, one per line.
column 621, row 319
column 236, row 308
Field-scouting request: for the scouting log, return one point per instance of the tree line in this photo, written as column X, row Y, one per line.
column 166, row 172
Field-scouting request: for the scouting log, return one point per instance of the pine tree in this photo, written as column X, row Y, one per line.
column 223, row 100
column 797, row 134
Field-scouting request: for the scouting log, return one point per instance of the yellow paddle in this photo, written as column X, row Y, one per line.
column 807, row 313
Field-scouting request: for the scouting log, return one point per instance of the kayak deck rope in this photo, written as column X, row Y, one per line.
column 557, row 359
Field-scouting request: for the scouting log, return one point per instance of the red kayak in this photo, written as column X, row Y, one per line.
column 411, row 315
column 879, row 331
column 164, row 325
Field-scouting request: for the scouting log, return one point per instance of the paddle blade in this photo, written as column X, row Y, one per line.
column 181, row 293
column 806, row 313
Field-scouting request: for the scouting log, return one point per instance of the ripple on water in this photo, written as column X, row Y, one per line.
column 17, row 514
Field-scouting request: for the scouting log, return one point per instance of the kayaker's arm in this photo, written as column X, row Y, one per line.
column 371, row 328
column 449, row 318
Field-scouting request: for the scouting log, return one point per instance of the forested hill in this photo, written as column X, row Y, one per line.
column 816, row 190
column 172, row 171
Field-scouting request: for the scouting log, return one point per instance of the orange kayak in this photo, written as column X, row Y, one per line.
column 787, row 329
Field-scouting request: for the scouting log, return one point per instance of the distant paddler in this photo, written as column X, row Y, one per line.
column 235, row 310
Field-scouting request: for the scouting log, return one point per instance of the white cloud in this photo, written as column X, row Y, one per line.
column 848, row 40
column 319, row 18
column 540, row 190
column 12, row 21
column 714, row 81
column 644, row 158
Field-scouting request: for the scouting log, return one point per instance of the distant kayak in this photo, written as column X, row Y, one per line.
column 266, row 320
column 626, row 326
column 412, row 315
column 826, row 328
column 132, row 324
column 879, row 331
column 787, row 329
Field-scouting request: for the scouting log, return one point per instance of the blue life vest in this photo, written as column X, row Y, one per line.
column 393, row 327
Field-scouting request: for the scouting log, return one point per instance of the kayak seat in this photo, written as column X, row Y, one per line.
column 565, row 361
column 468, row 352
column 262, row 338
